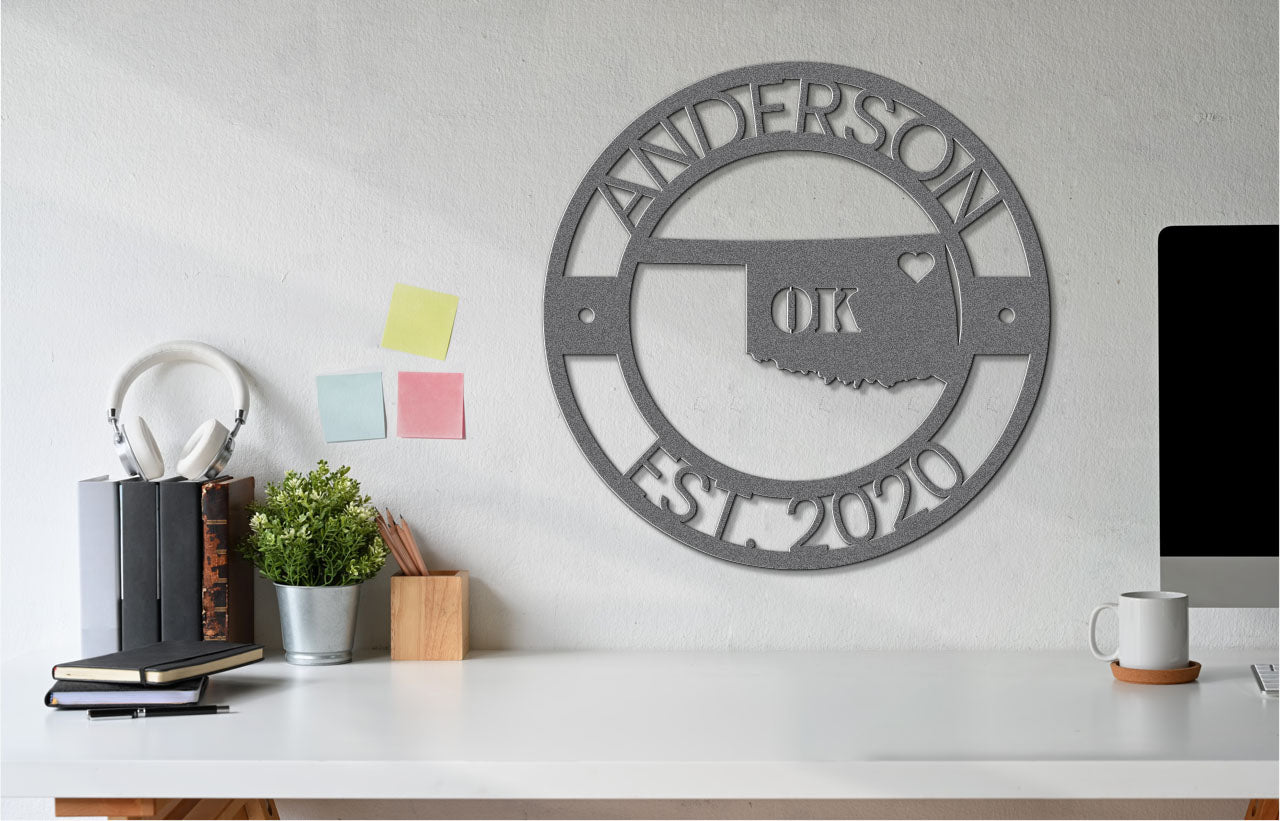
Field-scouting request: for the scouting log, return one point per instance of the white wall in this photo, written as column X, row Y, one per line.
column 259, row 175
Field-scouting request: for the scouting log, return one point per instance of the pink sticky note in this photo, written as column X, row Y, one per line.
column 429, row 406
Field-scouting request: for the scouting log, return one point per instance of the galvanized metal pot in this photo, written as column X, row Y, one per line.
column 318, row 624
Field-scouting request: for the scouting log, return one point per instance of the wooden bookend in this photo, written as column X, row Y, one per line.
column 430, row 616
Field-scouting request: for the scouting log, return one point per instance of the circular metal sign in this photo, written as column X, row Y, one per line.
column 861, row 310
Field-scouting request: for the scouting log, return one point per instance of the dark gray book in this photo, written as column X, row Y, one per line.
column 139, row 566
column 98, row 503
column 181, row 556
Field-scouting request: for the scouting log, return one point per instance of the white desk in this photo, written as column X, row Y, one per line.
column 667, row 725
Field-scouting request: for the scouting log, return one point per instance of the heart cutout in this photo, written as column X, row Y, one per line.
column 917, row 266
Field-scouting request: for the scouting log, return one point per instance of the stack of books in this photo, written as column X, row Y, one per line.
column 158, row 562
column 161, row 674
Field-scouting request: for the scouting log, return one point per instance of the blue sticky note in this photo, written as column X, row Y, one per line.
column 351, row 406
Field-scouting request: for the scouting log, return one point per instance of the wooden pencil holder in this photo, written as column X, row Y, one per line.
column 430, row 616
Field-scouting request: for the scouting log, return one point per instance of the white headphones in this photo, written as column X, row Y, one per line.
column 209, row 448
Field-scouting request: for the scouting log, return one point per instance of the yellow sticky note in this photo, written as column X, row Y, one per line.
column 420, row 321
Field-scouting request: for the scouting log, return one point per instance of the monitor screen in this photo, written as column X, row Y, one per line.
column 1219, row 287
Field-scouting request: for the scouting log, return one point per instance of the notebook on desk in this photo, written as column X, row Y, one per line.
column 161, row 663
column 82, row 695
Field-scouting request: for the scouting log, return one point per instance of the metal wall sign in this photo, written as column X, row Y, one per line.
column 896, row 307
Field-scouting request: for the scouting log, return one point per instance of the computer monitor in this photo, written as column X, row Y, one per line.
column 1218, row 291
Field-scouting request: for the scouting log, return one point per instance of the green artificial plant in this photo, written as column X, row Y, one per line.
column 315, row 531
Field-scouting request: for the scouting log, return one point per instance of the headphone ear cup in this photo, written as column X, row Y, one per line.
column 145, row 450
column 202, row 449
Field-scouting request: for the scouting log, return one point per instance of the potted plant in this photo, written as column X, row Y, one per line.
column 316, row 538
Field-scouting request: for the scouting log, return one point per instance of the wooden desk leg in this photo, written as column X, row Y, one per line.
column 1260, row 808
column 147, row 809
column 261, row 808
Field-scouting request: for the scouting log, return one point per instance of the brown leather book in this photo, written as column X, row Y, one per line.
column 227, row 583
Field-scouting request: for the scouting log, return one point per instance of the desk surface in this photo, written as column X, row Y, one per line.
column 667, row 725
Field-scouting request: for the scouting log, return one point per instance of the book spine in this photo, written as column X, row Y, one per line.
column 181, row 549
column 240, row 572
column 214, row 512
column 139, row 565
column 99, row 527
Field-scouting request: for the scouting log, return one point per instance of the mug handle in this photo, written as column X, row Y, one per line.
column 1093, row 633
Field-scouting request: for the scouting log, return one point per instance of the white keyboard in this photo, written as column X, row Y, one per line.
column 1268, row 678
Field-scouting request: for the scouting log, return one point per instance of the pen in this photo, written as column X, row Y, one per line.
column 144, row 712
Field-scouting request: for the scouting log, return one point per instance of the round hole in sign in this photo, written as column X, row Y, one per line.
column 1006, row 315
column 587, row 315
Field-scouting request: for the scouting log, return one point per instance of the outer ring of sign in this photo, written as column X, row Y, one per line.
column 905, row 531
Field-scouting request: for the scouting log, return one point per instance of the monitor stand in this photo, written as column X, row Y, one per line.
column 1222, row 581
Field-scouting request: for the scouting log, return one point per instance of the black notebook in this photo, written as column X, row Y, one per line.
column 161, row 663
column 81, row 695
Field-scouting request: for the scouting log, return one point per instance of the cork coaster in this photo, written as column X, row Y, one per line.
column 1180, row 676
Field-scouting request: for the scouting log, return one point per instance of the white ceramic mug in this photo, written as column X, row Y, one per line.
column 1153, row 631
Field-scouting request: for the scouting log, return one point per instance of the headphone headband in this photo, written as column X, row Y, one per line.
column 181, row 351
